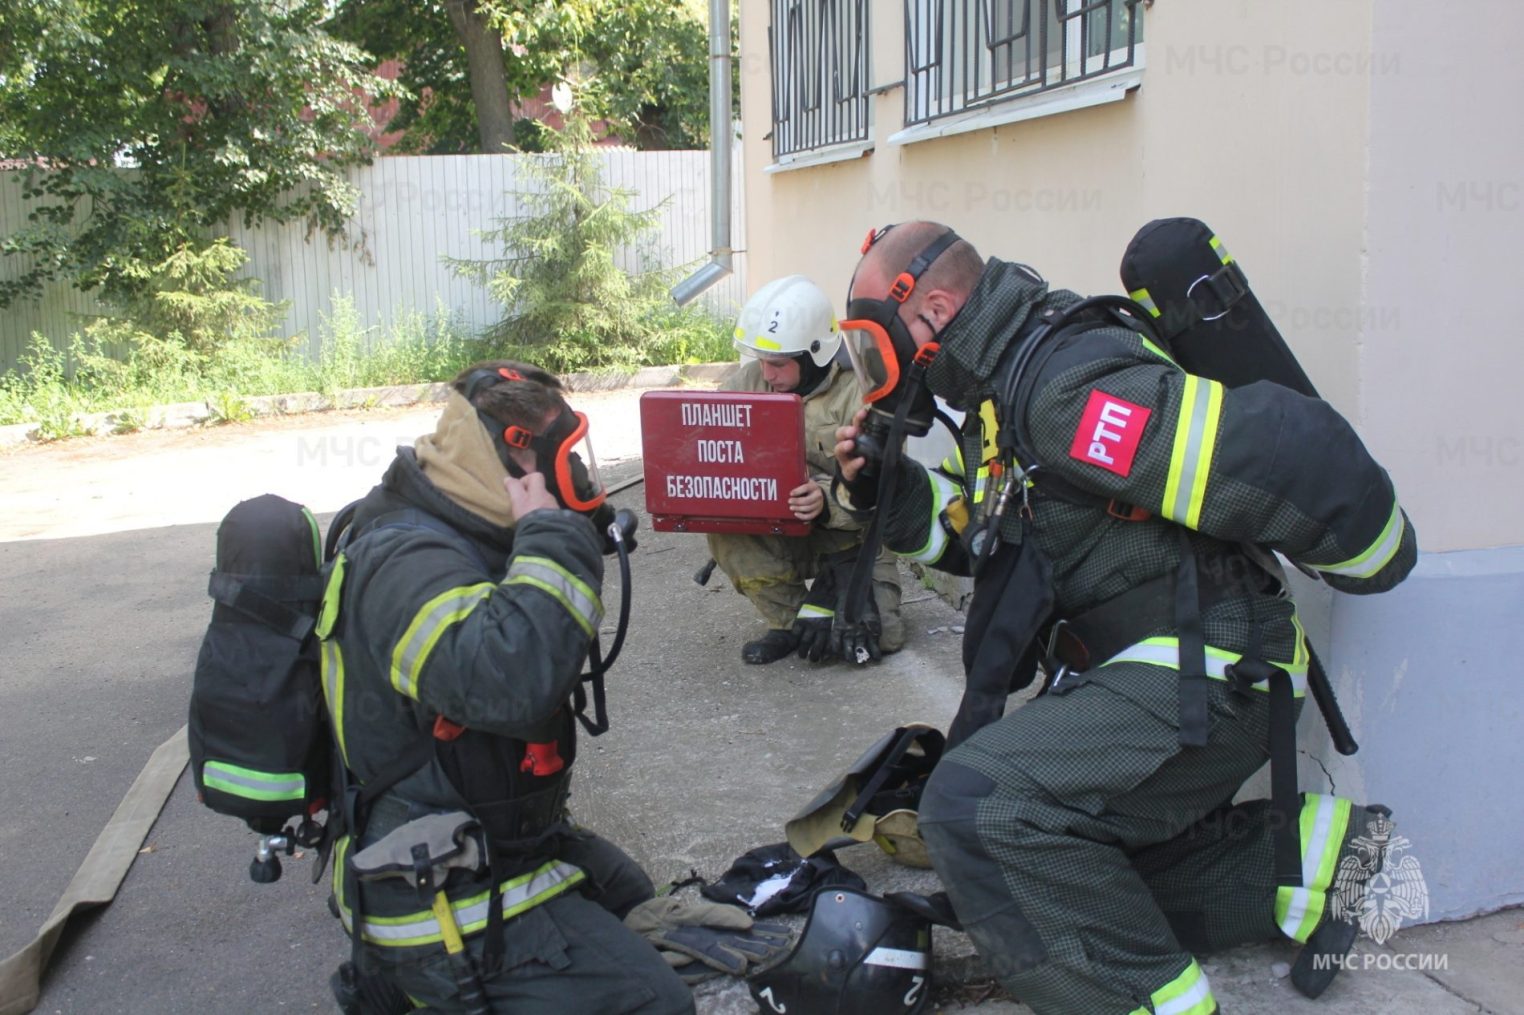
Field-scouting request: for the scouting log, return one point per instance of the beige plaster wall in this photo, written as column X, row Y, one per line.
column 1251, row 116
column 1442, row 362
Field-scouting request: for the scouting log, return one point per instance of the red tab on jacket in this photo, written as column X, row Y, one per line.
column 1109, row 432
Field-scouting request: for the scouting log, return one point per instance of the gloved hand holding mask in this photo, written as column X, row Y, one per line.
column 706, row 939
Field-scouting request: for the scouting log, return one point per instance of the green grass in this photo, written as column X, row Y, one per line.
column 54, row 387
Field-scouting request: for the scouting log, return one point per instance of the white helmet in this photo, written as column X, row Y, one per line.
column 786, row 317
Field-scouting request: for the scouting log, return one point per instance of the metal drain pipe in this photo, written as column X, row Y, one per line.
column 720, row 144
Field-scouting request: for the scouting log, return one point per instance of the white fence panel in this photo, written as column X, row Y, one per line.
column 413, row 212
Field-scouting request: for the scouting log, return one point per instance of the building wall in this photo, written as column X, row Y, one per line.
column 1358, row 161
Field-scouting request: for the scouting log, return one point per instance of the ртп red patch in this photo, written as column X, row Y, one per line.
column 1109, row 432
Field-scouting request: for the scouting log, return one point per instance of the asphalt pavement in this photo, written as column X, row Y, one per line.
column 104, row 549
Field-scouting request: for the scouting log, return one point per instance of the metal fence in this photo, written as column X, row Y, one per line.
column 819, row 54
column 412, row 213
column 962, row 54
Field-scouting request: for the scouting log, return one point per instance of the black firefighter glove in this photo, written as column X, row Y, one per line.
column 856, row 643
column 703, row 939
column 813, row 624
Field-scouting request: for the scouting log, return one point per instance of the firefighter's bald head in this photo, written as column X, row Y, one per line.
column 955, row 272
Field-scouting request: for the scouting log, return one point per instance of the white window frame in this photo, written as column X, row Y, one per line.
column 1045, row 100
column 834, row 74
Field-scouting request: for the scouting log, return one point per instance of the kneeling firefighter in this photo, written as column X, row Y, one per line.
column 460, row 607
column 1115, row 511
column 788, row 335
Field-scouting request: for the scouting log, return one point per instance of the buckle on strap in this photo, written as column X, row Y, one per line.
column 1065, row 652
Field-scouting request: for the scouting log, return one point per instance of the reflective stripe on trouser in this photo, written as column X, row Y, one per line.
column 412, row 930
column 1036, row 824
column 1187, row 994
column 1165, row 651
column 1324, row 825
column 252, row 784
column 770, row 571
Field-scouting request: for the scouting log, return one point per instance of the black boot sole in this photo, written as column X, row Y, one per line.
column 1330, row 943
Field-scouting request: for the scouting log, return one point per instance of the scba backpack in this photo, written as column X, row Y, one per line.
column 260, row 745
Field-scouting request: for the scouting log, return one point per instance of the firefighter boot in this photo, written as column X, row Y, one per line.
column 1361, row 861
column 769, row 648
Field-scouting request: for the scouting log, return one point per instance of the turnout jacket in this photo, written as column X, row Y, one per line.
column 1119, row 429
column 829, row 406
column 487, row 627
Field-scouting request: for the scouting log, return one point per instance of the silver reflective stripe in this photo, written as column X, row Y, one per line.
column 332, row 664
column 1199, row 992
column 252, row 785
column 1145, row 300
column 1299, row 901
column 571, row 592
column 519, row 895
column 1377, row 556
column 943, row 490
column 1166, row 652
column 896, row 958
column 428, row 626
column 1191, row 456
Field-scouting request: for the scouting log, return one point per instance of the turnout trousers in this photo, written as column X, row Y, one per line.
column 770, row 571
column 569, row 954
column 1088, row 853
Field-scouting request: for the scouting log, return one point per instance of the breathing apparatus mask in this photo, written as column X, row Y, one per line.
column 889, row 366
column 563, row 449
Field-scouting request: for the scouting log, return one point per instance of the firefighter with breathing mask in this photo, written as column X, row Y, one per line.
column 461, row 607
column 1115, row 511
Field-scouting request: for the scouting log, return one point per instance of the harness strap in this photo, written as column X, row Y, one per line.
column 265, row 598
column 1193, row 674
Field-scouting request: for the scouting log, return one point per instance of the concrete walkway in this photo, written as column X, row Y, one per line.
column 104, row 548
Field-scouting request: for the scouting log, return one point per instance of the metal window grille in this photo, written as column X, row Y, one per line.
column 963, row 54
column 819, row 51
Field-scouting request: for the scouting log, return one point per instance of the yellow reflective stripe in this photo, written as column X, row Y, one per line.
column 1323, row 824
column 1155, row 349
column 331, row 665
column 328, row 613
column 1221, row 251
column 428, row 626
column 1146, row 300
column 317, row 540
column 252, row 784
column 809, row 612
column 1187, row 994
column 1376, row 556
column 1190, row 463
column 562, row 586
column 943, row 492
column 981, row 483
column 1165, row 651
column 520, row 895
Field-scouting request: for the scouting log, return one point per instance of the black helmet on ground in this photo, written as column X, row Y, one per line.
column 858, row 955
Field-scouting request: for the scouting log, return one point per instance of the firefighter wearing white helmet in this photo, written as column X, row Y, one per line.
column 788, row 336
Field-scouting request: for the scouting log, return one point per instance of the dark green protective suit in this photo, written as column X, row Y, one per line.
column 1088, row 852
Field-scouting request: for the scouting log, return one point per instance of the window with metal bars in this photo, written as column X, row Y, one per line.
column 965, row 54
column 819, row 54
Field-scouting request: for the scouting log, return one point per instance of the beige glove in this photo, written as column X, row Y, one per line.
column 703, row 939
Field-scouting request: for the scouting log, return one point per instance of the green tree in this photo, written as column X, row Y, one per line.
column 147, row 124
column 570, row 305
column 642, row 65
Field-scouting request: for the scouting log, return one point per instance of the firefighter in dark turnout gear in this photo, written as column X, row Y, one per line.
column 458, row 617
column 1088, row 839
